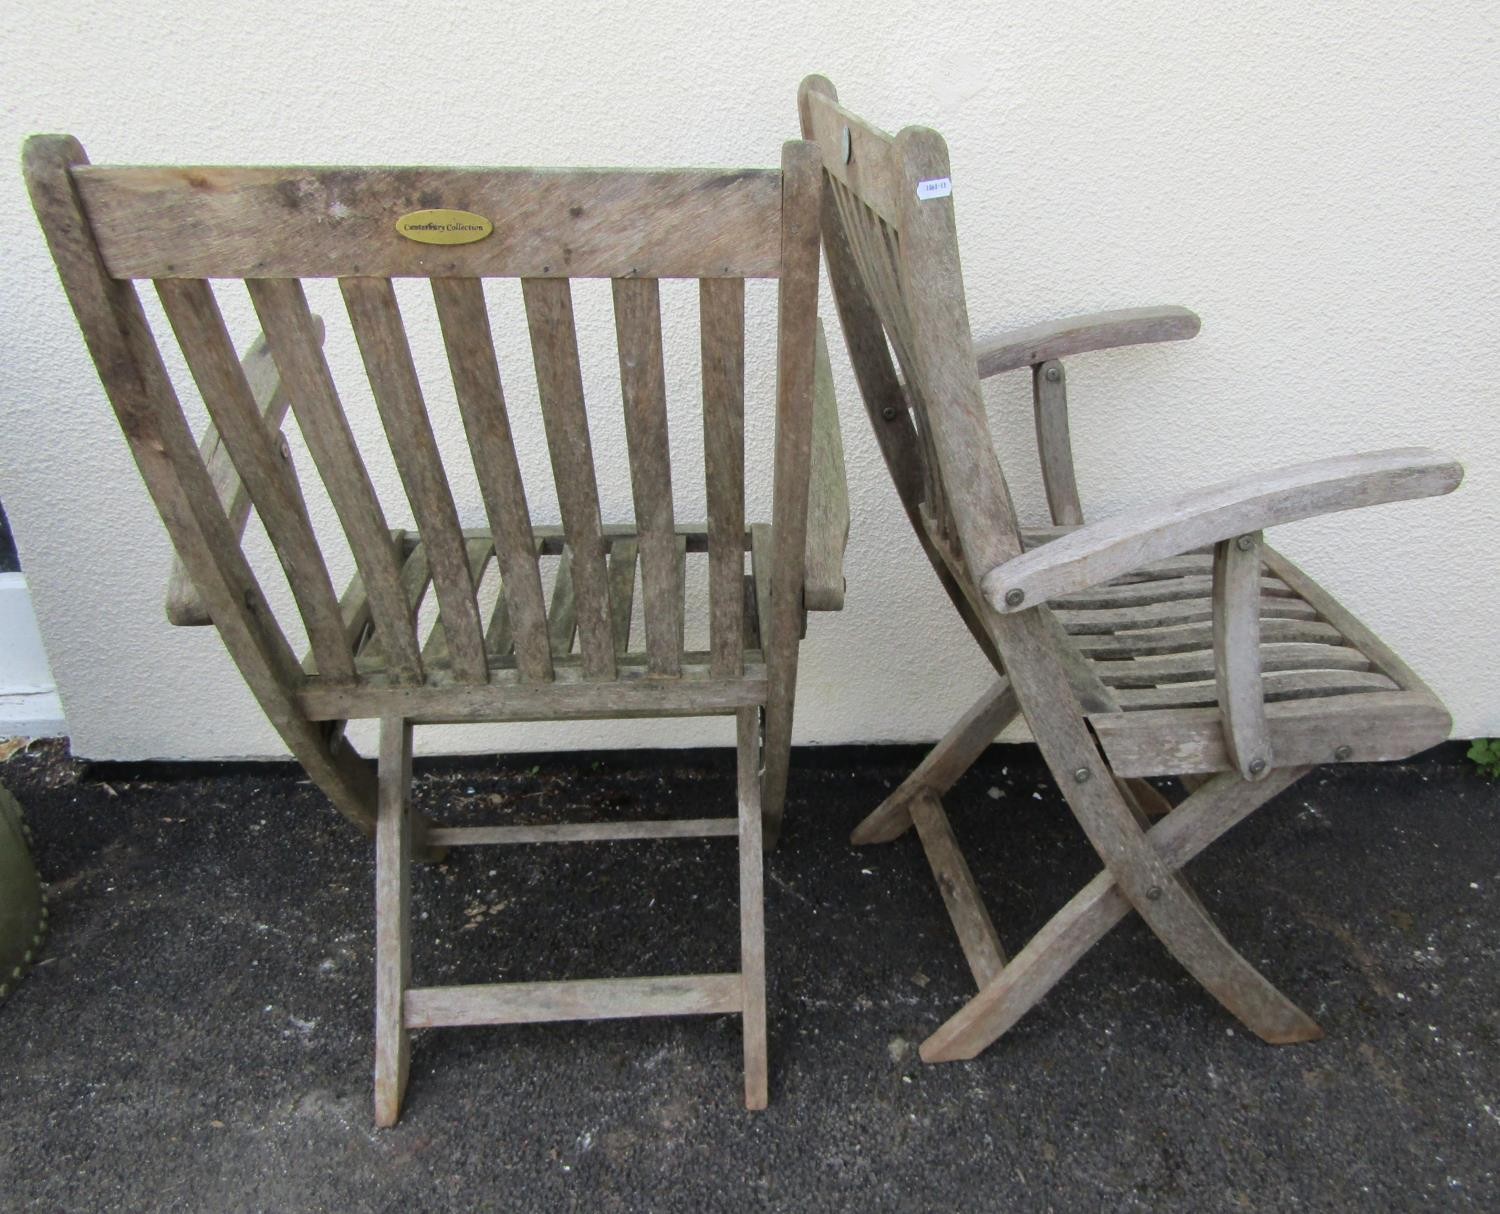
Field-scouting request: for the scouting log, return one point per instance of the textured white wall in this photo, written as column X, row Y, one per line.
column 1318, row 181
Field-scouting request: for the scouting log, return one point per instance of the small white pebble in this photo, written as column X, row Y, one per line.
column 994, row 793
column 867, row 872
column 1036, row 796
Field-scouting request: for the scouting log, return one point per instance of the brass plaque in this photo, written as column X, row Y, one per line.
column 442, row 226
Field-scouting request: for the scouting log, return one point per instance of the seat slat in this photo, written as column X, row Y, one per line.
column 1183, row 638
column 1277, row 685
column 554, row 346
column 1157, row 590
column 293, row 338
column 262, row 464
column 1183, row 611
column 381, row 336
column 1199, row 664
column 721, row 326
column 643, row 384
column 481, row 402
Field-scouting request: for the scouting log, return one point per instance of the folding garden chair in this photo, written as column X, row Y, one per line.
column 490, row 648
column 1164, row 640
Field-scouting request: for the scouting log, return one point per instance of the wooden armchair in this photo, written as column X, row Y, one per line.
column 1167, row 640
column 494, row 649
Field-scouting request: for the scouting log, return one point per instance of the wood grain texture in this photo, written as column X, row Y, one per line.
column 582, row 832
column 339, row 222
column 554, row 347
column 1237, row 669
column 393, row 846
column 1109, row 547
column 643, row 387
column 721, row 329
column 129, row 365
column 752, row 907
column 282, row 308
column 828, row 495
column 584, row 999
column 1049, row 395
column 971, row 919
column 264, row 470
column 185, row 606
column 481, row 402
column 1056, row 339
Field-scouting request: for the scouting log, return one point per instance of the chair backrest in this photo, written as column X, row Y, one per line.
column 273, row 227
column 893, row 263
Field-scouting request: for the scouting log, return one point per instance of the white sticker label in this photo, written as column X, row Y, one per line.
column 938, row 187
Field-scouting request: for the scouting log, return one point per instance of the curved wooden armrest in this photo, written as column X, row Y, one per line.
column 185, row 606
column 828, row 495
column 1079, row 334
column 1097, row 552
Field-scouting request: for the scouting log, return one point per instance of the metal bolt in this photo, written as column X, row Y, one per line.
column 889, row 413
column 1014, row 598
column 1257, row 766
column 1154, row 893
column 250, row 599
column 1245, row 543
column 1054, row 374
column 1343, row 752
column 848, row 146
column 1082, row 775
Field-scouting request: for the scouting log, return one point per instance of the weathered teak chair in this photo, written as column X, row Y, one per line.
column 1165, row 640
column 273, row 227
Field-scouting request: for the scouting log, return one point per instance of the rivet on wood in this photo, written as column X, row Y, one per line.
column 1257, row 766
column 1154, row 893
column 1343, row 752
column 889, row 413
column 1015, row 597
column 1245, row 543
column 1054, row 374
column 1082, row 775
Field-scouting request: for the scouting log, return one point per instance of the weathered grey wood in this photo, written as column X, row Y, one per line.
column 415, row 578
column 1087, row 918
column 393, row 847
column 622, row 563
column 1237, row 669
column 481, row 401
column 971, row 920
column 1049, row 394
column 1054, row 339
column 1121, row 620
column 185, row 606
column 1105, row 549
column 643, row 385
column 969, row 738
column 293, row 338
column 1274, row 685
column 1139, row 593
column 582, row 832
column 1374, row 726
column 381, row 336
column 1198, row 665
column 571, row 696
column 129, row 365
column 828, row 495
column 554, row 347
column 435, row 651
column 562, row 611
column 1187, row 638
column 585, row 999
column 762, row 557
column 752, row 912
column 721, row 328
column 266, row 473
column 796, row 336
column 339, row 222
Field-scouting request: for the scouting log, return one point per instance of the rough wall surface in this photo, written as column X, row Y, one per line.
column 1318, row 182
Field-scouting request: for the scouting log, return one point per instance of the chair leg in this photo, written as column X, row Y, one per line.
column 393, row 854
column 1096, row 908
column 752, row 908
column 944, row 764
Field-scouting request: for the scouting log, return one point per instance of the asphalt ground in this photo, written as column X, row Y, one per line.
column 197, row 1035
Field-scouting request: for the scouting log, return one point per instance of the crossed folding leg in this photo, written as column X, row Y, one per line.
column 1009, row 988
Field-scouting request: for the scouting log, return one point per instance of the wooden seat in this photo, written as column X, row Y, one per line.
column 1166, row 640
column 447, row 618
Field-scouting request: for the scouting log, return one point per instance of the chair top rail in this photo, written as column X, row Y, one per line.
column 321, row 222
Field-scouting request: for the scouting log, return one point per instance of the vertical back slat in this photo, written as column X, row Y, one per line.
column 435, row 652
column 481, row 401
column 288, row 325
column 643, row 384
column 376, row 318
column 554, row 346
column 258, row 458
column 415, row 578
column 721, row 327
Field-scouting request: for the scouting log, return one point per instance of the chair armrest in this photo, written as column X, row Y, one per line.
column 185, row 606
column 827, row 496
column 1098, row 552
column 1079, row 334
